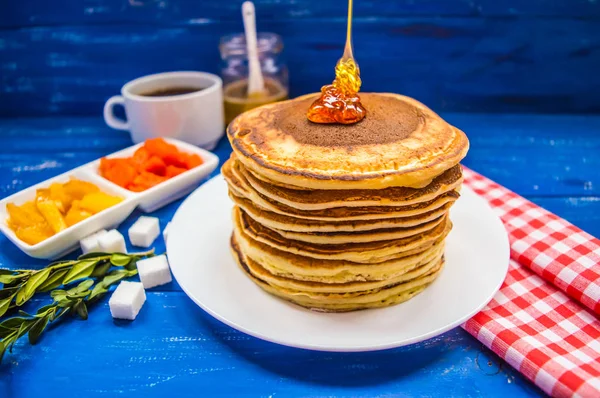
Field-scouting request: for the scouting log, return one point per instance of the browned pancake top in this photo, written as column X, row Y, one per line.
column 388, row 120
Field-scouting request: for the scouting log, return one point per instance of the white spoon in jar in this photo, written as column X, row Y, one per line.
column 256, row 83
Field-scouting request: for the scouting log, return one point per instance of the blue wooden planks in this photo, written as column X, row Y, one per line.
column 190, row 12
column 451, row 63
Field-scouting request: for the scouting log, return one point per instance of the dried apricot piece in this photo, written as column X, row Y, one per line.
column 77, row 189
column 155, row 165
column 140, row 157
column 76, row 214
column 173, row 171
column 159, row 147
column 117, row 170
column 98, row 201
column 193, row 160
column 34, row 234
column 59, row 195
column 25, row 215
column 51, row 213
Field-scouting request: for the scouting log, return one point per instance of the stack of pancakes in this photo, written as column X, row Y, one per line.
column 343, row 217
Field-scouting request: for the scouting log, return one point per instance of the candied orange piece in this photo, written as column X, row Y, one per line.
column 34, row 234
column 193, row 160
column 59, row 195
column 98, row 201
column 76, row 214
column 140, row 157
column 145, row 180
column 117, row 170
column 155, row 165
column 173, row 171
column 51, row 213
column 77, row 189
column 24, row 216
column 159, row 147
column 177, row 159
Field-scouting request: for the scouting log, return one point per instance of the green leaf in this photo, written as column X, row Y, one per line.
column 12, row 323
column 54, row 280
column 64, row 302
column 36, row 330
column 96, row 255
column 82, row 269
column 101, row 269
column 43, row 310
column 4, row 304
column 2, row 350
column 7, row 279
column 83, row 287
column 120, row 260
column 25, row 327
column 5, row 271
column 58, row 292
column 27, row 291
column 81, row 310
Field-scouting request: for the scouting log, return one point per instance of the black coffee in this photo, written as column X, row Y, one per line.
column 171, row 92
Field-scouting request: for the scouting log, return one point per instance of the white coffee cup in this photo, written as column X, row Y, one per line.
column 196, row 117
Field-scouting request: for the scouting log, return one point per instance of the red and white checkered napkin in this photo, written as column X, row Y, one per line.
column 538, row 321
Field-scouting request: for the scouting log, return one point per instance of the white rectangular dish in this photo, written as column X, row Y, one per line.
column 148, row 200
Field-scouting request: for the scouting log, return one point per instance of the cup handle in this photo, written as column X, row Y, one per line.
column 110, row 118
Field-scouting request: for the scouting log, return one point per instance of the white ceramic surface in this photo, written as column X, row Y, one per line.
column 149, row 200
column 196, row 117
column 477, row 258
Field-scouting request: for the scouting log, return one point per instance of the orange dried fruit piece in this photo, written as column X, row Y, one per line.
column 76, row 214
column 118, row 170
column 59, row 195
column 49, row 209
column 140, row 157
column 155, row 165
column 159, row 147
column 173, row 171
column 193, row 160
column 77, row 189
column 34, row 234
column 98, row 201
column 25, row 215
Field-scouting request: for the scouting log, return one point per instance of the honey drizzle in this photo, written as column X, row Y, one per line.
column 339, row 101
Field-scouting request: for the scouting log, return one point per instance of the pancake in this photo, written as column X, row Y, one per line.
column 318, row 199
column 368, row 252
column 357, row 287
column 240, row 187
column 401, row 143
column 278, row 221
column 332, row 238
column 297, row 267
column 334, row 302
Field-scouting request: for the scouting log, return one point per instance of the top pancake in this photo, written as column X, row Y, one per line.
column 401, row 142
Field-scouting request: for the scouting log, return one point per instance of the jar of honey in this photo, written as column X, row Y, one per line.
column 234, row 71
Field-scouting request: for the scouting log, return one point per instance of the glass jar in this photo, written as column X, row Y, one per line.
column 234, row 71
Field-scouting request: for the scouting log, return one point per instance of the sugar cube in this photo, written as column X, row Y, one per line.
column 127, row 300
column 89, row 244
column 112, row 242
column 166, row 232
column 154, row 271
column 144, row 231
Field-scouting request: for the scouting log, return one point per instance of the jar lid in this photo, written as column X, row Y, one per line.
column 235, row 44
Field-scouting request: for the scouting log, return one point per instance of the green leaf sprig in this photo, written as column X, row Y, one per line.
column 96, row 273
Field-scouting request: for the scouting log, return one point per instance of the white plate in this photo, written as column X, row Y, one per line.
column 477, row 256
column 149, row 200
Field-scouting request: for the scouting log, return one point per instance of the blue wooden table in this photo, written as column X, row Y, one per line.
column 513, row 63
column 175, row 348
